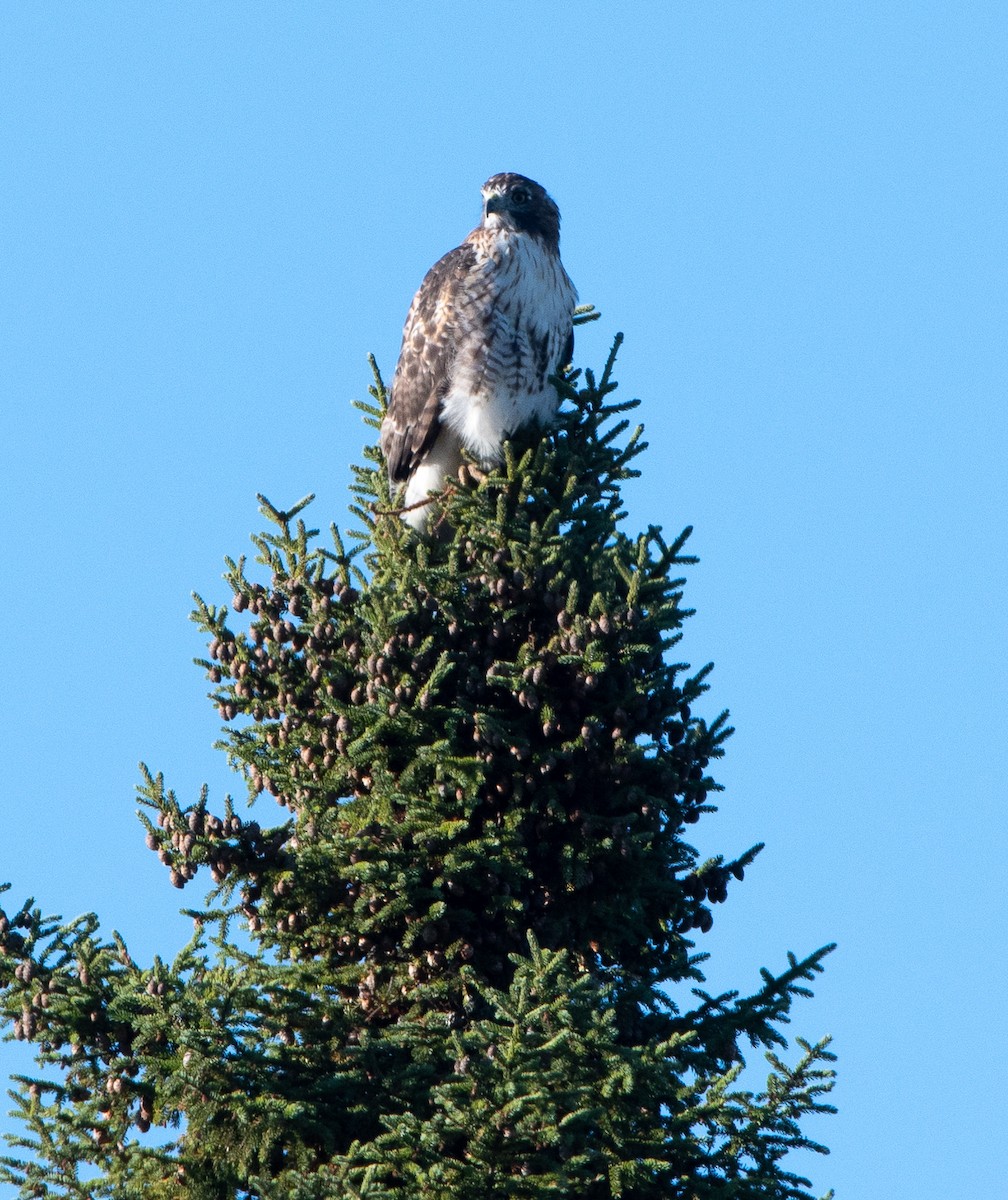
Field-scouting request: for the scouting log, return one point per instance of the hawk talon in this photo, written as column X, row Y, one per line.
column 470, row 475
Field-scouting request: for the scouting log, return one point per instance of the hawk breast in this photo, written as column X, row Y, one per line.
column 512, row 331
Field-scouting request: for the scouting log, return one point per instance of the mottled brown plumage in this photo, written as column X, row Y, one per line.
column 492, row 320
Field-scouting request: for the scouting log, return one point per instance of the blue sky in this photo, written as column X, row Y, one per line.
column 796, row 214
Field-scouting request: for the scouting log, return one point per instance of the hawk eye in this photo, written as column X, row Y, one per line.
column 520, row 196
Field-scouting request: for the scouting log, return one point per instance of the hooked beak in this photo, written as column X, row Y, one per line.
column 495, row 203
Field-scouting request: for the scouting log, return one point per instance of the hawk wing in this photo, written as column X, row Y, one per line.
column 423, row 374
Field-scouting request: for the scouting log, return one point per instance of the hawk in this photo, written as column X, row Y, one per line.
column 493, row 319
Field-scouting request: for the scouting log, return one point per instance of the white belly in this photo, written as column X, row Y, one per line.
column 500, row 379
column 483, row 420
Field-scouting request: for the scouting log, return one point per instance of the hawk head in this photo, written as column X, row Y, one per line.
column 513, row 202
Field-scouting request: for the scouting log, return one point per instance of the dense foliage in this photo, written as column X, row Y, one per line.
column 461, row 961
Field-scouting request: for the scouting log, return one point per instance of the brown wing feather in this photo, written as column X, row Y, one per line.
column 424, row 371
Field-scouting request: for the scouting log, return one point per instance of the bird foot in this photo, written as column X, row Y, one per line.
column 470, row 475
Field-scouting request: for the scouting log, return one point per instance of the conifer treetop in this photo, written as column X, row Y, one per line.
column 450, row 942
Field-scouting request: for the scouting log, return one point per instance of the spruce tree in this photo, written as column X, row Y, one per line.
column 462, row 959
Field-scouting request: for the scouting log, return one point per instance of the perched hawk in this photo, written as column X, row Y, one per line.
column 491, row 322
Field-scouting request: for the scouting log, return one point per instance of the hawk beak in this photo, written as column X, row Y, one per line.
column 495, row 203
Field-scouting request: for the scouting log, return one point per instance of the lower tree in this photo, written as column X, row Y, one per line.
column 462, row 960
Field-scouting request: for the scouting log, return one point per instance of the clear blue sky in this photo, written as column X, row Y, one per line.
column 797, row 214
